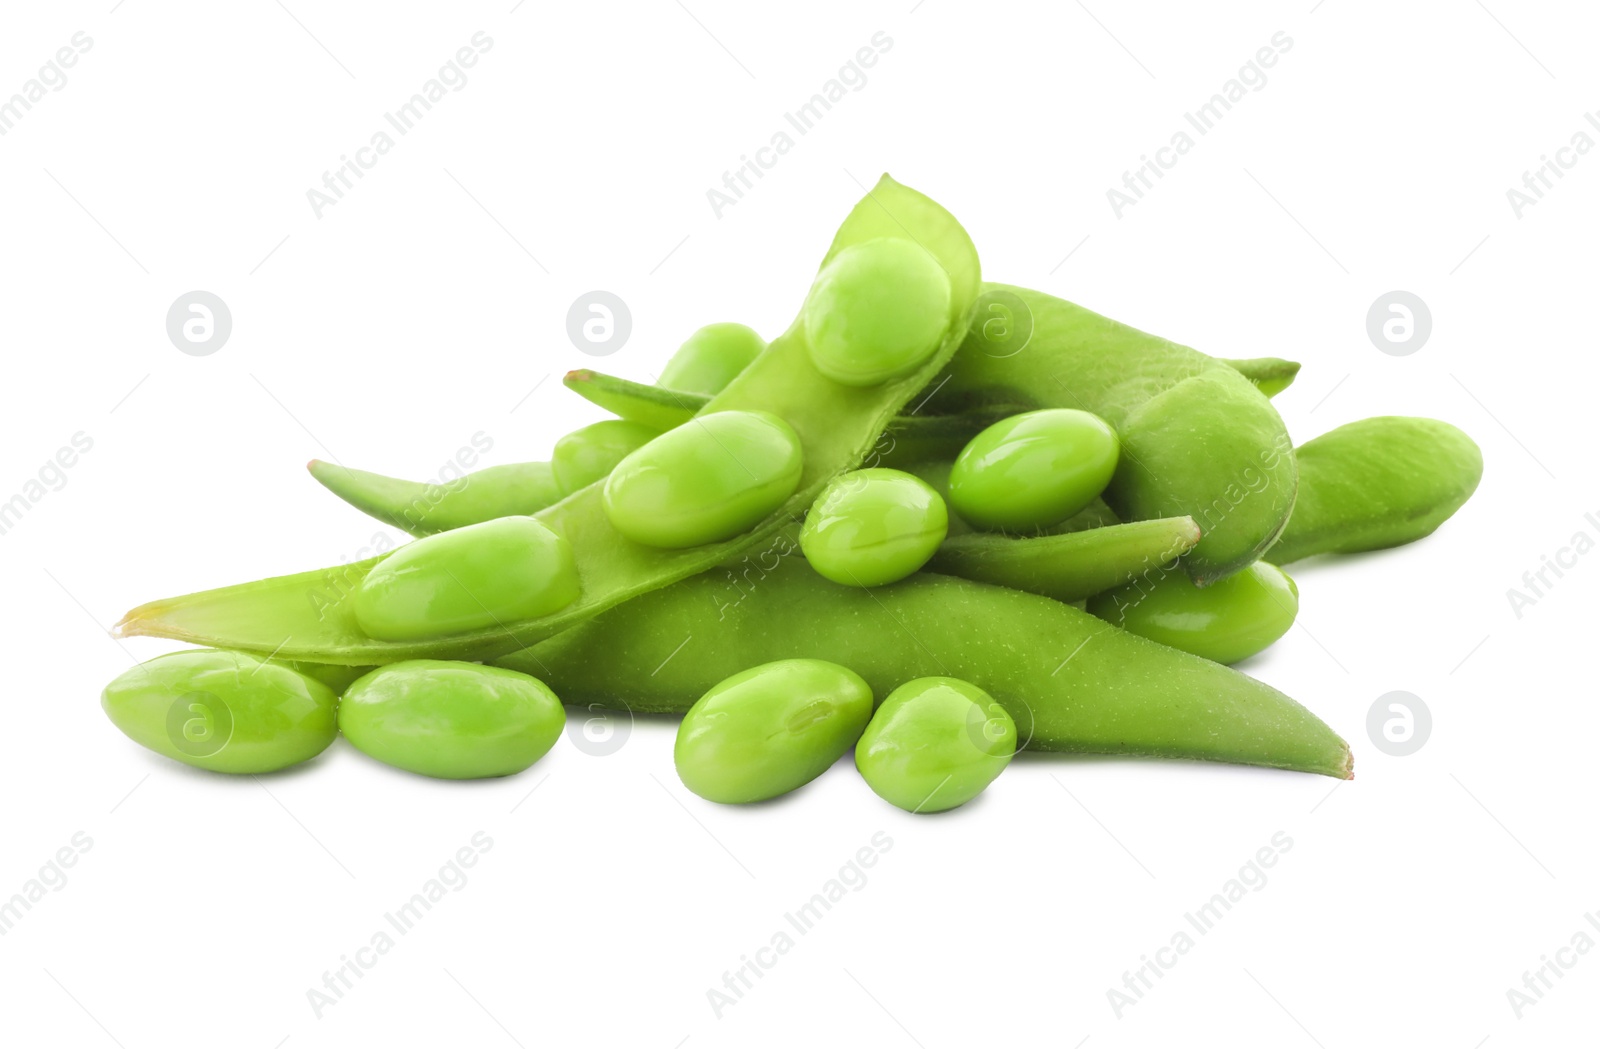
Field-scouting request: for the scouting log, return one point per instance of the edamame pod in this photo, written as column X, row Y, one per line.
column 451, row 720
column 1378, row 483
column 1271, row 375
column 768, row 730
column 1227, row 621
column 311, row 615
column 1071, row 682
column 223, row 711
column 1198, row 439
column 1072, row 565
column 420, row 509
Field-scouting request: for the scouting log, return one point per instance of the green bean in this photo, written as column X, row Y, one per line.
column 587, row 455
column 871, row 527
column 223, row 711
column 1070, row 681
column 710, row 359
column 1072, row 565
column 1378, row 483
column 1271, row 375
column 1198, row 440
column 935, row 743
column 876, row 312
column 310, row 615
column 705, row 482
column 465, row 580
column 451, row 720
column 420, row 509
column 1033, row 470
column 769, row 730
column 1227, row 621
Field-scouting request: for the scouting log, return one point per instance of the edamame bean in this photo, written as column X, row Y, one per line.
column 1226, row 621
column 1378, row 483
column 706, row 481
column 935, row 743
column 419, row 508
column 877, row 310
column 770, row 729
column 711, row 358
column 468, row 579
column 1034, row 469
column 223, row 711
column 872, row 527
column 584, row 456
column 451, row 720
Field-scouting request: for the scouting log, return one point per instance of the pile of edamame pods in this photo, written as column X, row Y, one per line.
column 934, row 520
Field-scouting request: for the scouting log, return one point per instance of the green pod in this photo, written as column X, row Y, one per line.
column 1071, row 682
column 1270, row 375
column 770, row 729
column 223, row 711
column 421, row 509
column 451, row 720
column 934, row 744
column 586, row 455
column 711, row 358
column 872, row 527
column 1198, row 439
column 704, row 482
column 1227, row 621
column 468, row 579
column 1378, row 483
column 1072, row 565
column 310, row 615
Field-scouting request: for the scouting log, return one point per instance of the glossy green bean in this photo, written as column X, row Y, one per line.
column 1378, row 483
column 451, row 720
column 1198, row 439
column 588, row 454
column 711, row 358
column 310, row 615
column 223, row 711
column 770, row 729
column 1071, row 682
column 1230, row 620
column 934, row 744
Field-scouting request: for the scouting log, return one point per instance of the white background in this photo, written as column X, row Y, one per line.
column 429, row 305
